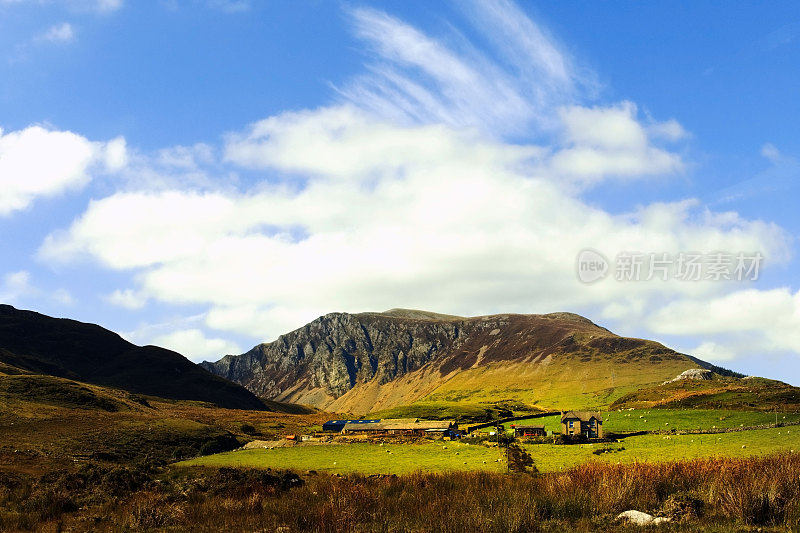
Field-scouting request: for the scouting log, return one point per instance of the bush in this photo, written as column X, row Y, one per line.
column 682, row 506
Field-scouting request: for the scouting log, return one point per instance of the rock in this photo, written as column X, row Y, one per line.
column 693, row 373
column 636, row 517
column 642, row 519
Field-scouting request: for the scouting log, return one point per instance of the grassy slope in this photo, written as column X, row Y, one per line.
column 461, row 411
column 563, row 383
column 89, row 353
column 721, row 392
column 49, row 420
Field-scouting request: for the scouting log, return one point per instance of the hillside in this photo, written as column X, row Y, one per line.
column 368, row 362
column 38, row 344
column 716, row 392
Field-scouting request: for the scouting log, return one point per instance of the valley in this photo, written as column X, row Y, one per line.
column 70, row 439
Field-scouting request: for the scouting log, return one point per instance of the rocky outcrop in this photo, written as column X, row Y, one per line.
column 694, row 373
column 336, row 351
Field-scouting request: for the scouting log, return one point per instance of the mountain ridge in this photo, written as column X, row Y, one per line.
column 367, row 361
column 79, row 351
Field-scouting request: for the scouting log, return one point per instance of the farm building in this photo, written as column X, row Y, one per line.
column 587, row 424
column 421, row 427
column 529, row 431
column 338, row 425
column 400, row 426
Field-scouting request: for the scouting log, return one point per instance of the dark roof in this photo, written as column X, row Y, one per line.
column 528, row 427
column 583, row 416
column 343, row 422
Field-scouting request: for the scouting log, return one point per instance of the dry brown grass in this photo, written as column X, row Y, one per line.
column 717, row 494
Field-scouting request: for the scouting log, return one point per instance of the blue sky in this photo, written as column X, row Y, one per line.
column 207, row 175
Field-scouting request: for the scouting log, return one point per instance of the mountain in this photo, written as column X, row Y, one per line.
column 367, row 362
column 88, row 353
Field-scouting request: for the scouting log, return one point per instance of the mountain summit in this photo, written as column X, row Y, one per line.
column 370, row 361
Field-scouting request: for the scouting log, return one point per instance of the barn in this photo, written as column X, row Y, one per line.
column 336, row 426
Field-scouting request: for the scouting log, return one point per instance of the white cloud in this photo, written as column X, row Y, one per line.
column 713, row 352
column 38, row 162
column 186, row 157
column 15, row 285
column 116, row 154
column 745, row 322
column 670, row 130
column 128, row 299
column 389, row 216
column 60, row 33
column 609, row 141
column 63, row 296
column 17, row 288
column 193, row 344
column 408, row 196
column 184, row 335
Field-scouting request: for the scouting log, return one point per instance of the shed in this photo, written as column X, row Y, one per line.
column 529, row 431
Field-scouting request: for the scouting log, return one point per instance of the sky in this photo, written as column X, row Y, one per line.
column 206, row 175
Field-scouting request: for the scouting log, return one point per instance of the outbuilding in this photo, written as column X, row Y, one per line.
column 336, row 426
column 529, row 431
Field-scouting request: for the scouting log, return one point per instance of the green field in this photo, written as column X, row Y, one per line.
column 658, row 448
column 669, row 419
column 434, row 457
column 364, row 458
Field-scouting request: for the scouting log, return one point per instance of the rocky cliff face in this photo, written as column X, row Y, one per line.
column 336, row 351
column 362, row 361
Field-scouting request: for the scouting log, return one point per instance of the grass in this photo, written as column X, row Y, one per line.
column 431, row 457
column 688, row 419
column 718, row 393
column 363, row 458
column 668, row 419
column 55, row 421
column 602, row 379
column 664, row 448
column 709, row 495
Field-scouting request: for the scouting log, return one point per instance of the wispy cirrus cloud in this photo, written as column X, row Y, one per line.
column 417, row 78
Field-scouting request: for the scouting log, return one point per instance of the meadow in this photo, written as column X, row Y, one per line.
column 663, row 448
column 447, row 456
column 364, row 458
column 629, row 421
